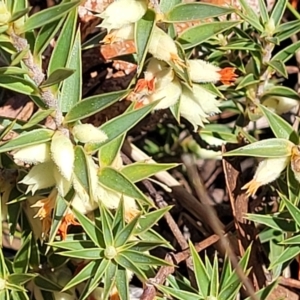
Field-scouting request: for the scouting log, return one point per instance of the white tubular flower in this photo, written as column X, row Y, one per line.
column 280, row 105
column 87, row 133
column 202, row 71
column 62, row 152
column 168, row 94
column 34, row 154
column 118, row 35
column 163, row 47
column 197, row 105
column 40, row 177
column 123, row 12
column 62, row 184
column 268, row 170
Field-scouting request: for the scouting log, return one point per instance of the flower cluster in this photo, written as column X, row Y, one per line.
column 53, row 167
column 161, row 82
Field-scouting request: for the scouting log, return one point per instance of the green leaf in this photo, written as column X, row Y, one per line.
column 30, row 138
column 166, row 5
column 139, row 258
column 143, row 32
column 150, row 219
column 45, row 35
column 293, row 209
column 122, row 284
column 199, row 34
column 266, row 291
column 19, row 14
column 57, row 76
column 281, row 91
column 288, row 254
column 92, row 105
column 46, row 284
column 280, row 127
column 279, row 67
column 91, row 254
column 250, row 16
column 49, row 15
column 109, row 279
column 179, row 294
column 195, row 11
column 90, row 228
column 108, row 153
column 214, row 283
column 123, row 235
column 286, row 53
column 265, row 148
column 276, row 222
column 81, row 171
column 94, row 282
column 73, row 245
column 263, row 11
column 202, row 278
column 278, row 11
column 20, row 279
column 106, row 226
column 119, row 125
column 287, row 29
column 294, row 240
column 18, row 84
column 74, row 83
column 275, row 251
column 126, row 263
column 21, row 259
column 139, row 171
column 39, row 116
column 12, row 71
column 116, row 181
column 83, row 275
column 293, row 185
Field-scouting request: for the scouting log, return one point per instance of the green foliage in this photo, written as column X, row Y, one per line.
column 62, row 167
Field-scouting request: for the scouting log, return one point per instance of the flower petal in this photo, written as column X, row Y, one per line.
column 123, row 12
column 39, row 177
column 34, row 154
column 62, row 152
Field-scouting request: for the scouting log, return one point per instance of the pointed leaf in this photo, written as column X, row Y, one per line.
column 124, row 235
column 18, row 84
column 57, row 76
column 116, row 181
column 30, row 138
column 195, row 11
column 288, row 254
column 200, row 33
column 278, row 11
column 92, row 105
column 38, row 117
column 265, row 148
column 49, row 15
column 122, row 284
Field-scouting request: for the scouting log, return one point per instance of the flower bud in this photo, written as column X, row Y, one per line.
column 280, row 105
column 62, row 152
column 163, row 47
column 118, row 35
column 87, row 133
column 123, row 12
column 202, row 71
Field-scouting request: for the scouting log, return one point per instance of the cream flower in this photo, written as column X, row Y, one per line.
column 202, row 71
column 4, row 13
column 280, row 105
column 62, row 152
column 163, row 47
column 160, row 83
column 34, row 154
column 39, row 177
column 268, row 170
column 123, row 12
column 87, row 133
column 118, row 35
column 197, row 104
